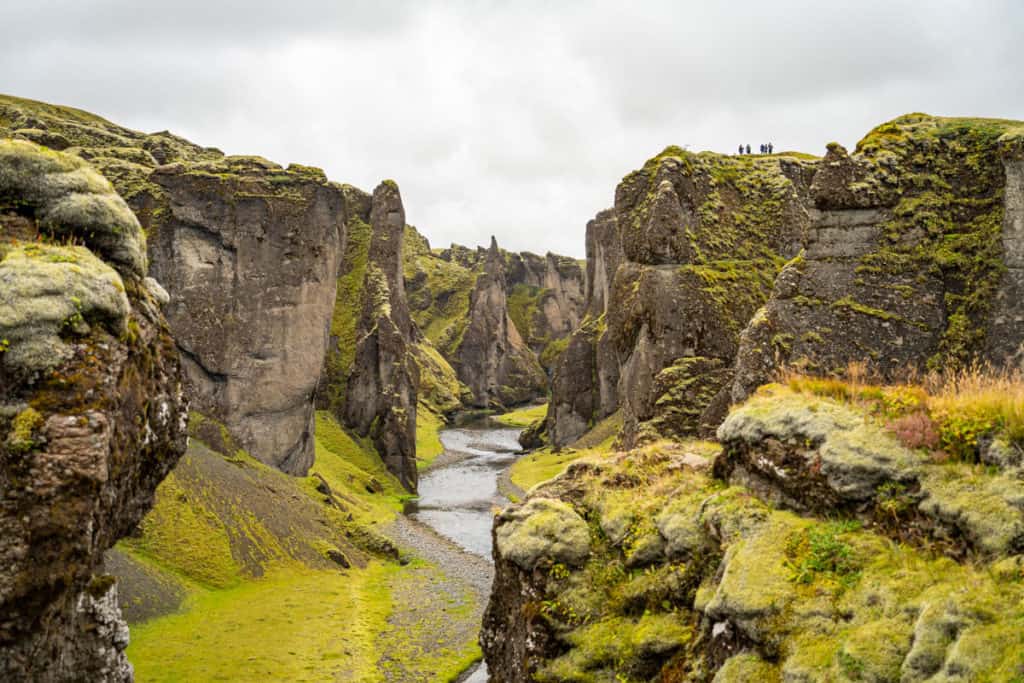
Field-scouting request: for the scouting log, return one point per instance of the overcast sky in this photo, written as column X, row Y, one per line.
column 511, row 118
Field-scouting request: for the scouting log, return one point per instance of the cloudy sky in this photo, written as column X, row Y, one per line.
column 511, row 118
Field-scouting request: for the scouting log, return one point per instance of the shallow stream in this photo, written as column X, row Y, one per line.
column 459, row 495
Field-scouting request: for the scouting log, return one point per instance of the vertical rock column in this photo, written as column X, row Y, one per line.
column 384, row 381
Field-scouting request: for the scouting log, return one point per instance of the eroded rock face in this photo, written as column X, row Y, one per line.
column 912, row 257
column 676, row 269
column 383, row 384
column 248, row 253
column 546, row 297
column 492, row 358
column 92, row 415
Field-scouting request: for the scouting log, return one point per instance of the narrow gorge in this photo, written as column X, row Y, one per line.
column 254, row 426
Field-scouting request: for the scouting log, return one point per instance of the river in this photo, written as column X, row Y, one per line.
column 458, row 496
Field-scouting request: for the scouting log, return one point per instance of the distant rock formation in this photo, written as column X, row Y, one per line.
column 382, row 387
column 492, row 359
column 92, row 411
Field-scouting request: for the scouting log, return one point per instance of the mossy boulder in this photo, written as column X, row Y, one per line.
column 542, row 531
column 815, row 454
column 70, row 200
column 49, row 292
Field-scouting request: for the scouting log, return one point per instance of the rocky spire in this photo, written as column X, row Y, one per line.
column 492, row 359
column 382, row 387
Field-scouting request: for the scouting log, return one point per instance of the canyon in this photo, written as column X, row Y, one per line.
column 723, row 485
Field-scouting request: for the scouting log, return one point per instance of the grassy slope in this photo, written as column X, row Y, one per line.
column 523, row 417
column 545, row 463
column 246, row 546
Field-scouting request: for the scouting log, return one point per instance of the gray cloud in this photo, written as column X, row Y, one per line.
column 515, row 119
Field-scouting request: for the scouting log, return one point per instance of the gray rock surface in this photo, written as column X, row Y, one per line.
column 381, row 400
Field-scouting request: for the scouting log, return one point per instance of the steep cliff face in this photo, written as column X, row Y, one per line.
column 676, row 270
column 249, row 253
column 912, row 260
column 492, row 359
column 92, row 411
column 382, row 387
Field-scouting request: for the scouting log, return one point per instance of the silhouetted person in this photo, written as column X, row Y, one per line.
column 741, row 149
column 771, row 148
column 748, row 149
column 762, row 149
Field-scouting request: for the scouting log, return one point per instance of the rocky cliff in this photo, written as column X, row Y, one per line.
column 382, row 386
column 249, row 253
column 492, row 359
column 676, row 269
column 543, row 296
column 911, row 260
column 92, row 411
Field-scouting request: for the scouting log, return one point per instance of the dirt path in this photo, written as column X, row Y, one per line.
column 438, row 605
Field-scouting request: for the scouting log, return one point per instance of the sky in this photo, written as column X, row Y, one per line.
column 513, row 118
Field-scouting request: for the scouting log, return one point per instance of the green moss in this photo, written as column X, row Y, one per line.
column 618, row 645
column 347, row 310
column 24, row 428
column 543, row 530
column 428, row 438
column 70, row 200
column 48, row 292
column 522, row 304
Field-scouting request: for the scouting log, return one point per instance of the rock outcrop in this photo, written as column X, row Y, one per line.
column 912, row 259
column 644, row 566
column 92, row 411
column 676, row 269
column 249, row 253
column 381, row 393
column 492, row 359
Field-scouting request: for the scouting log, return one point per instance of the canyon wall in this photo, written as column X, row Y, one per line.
column 249, row 253
column 92, row 411
column 676, row 268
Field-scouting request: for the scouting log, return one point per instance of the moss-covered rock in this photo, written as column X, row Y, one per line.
column 815, row 454
column 48, row 292
column 69, row 200
column 745, row 592
column 542, row 531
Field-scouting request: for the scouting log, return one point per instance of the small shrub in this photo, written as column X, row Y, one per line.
column 916, row 430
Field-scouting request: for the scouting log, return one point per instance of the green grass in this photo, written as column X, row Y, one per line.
column 542, row 465
column 295, row 624
column 428, row 436
column 523, row 417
